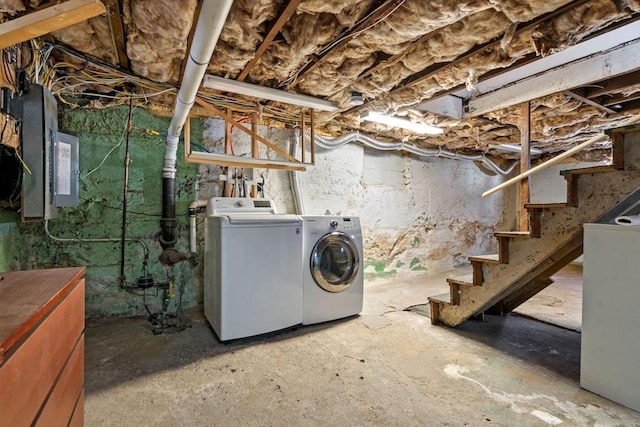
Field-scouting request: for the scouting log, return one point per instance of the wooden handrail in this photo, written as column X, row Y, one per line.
column 631, row 121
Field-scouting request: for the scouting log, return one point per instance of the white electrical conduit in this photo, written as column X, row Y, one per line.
column 334, row 143
column 213, row 15
column 294, row 177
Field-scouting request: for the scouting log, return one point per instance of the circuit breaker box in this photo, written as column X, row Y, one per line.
column 50, row 179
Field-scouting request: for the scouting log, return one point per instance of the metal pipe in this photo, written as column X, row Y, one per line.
column 559, row 157
column 333, row 143
column 213, row 15
column 125, row 191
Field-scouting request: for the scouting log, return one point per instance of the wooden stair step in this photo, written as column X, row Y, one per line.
column 434, row 306
column 532, row 206
column 454, row 286
column 486, row 259
column 441, row 298
column 466, row 280
column 513, row 234
column 589, row 170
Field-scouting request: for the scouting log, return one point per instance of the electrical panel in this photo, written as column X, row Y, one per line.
column 50, row 178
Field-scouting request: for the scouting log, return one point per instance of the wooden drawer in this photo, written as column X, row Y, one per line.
column 47, row 353
column 59, row 407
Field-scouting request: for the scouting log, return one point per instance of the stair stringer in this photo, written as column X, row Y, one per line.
column 597, row 194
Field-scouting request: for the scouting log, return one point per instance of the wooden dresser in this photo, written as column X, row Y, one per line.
column 42, row 347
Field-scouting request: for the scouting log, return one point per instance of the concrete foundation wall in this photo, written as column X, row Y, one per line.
column 417, row 214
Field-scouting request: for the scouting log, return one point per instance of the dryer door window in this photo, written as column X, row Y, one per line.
column 334, row 262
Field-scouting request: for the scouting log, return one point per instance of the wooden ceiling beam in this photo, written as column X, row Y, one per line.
column 439, row 67
column 616, row 84
column 388, row 6
column 436, row 68
column 271, row 34
column 620, row 99
column 44, row 21
column 114, row 15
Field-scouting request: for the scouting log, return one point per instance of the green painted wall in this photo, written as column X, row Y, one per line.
column 99, row 214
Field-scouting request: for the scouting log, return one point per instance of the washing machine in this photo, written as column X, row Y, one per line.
column 253, row 268
column 333, row 278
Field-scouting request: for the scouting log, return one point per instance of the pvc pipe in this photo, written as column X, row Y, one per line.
column 213, row 15
column 193, row 209
column 556, row 159
column 294, row 176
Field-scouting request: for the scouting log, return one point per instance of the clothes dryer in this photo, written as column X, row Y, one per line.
column 333, row 278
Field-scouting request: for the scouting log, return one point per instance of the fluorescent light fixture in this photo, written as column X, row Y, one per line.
column 515, row 148
column 401, row 123
column 256, row 91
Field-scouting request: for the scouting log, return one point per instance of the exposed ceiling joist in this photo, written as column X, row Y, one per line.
column 114, row 15
column 575, row 95
column 44, row 21
column 271, row 34
column 440, row 67
column 613, row 85
column 615, row 62
column 428, row 72
column 384, row 9
column 592, row 48
column 621, row 99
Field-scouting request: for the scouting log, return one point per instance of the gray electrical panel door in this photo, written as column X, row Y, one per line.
column 39, row 128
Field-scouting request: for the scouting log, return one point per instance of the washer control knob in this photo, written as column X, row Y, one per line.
column 333, row 223
column 240, row 203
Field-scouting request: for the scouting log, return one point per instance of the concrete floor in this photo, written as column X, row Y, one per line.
column 386, row 367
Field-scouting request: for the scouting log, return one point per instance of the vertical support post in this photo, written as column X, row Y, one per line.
column 313, row 138
column 617, row 147
column 525, row 162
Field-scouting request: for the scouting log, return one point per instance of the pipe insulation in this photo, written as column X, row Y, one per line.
column 213, row 15
column 333, row 143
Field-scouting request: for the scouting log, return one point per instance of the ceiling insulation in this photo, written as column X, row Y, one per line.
column 397, row 53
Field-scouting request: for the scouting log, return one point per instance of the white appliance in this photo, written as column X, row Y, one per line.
column 610, row 345
column 253, row 268
column 333, row 278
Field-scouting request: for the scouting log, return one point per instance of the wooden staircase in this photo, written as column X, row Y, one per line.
column 526, row 260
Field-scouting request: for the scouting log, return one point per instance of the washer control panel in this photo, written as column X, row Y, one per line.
column 227, row 205
column 346, row 223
